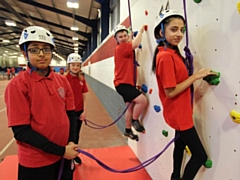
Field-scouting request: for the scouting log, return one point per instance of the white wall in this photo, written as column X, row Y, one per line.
column 214, row 34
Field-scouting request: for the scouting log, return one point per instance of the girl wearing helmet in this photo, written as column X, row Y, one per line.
column 124, row 79
column 40, row 112
column 174, row 92
column 79, row 87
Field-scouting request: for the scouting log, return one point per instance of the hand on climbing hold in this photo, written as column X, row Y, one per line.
column 213, row 79
column 203, row 73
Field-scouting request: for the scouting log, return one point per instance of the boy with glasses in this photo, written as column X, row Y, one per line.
column 40, row 110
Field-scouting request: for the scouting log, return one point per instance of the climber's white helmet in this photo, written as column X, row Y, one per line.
column 38, row 34
column 159, row 19
column 74, row 58
column 119, row 28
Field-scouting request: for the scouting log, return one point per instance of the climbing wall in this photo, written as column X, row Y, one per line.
column 214, row 40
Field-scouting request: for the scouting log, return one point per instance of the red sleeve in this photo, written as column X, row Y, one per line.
column 85, row 88
column 165, row 70
column 18, row 107
column 69, row 96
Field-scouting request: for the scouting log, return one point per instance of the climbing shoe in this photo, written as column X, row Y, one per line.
column 138, row 127
column 131, row 135
column 77, row 160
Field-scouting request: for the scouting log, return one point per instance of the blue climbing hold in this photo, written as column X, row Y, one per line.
column 135, row 33
column 157, row 108
column 144, row 88
column 140, row 46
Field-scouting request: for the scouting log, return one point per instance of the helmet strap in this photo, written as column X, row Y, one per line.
column 73, row 73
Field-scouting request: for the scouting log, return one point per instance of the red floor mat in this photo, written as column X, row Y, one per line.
column 119, row 158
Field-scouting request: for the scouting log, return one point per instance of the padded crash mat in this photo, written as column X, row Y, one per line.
column 118, row 158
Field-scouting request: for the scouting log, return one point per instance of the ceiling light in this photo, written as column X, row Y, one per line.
column 75, row 38
column 5, row 41
column 10, row 23
column 74, row 28
column 17, row 45
column 76, row 52
column 75, row 44
column 72, row 4
column 75, row 48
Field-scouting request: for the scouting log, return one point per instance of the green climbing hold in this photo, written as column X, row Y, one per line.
column 165, row 133
column 208, row 163
column 213, row 79
column 197, row 1
column 184, row 29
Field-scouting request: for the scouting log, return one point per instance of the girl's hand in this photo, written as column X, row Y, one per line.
column 82, row 116
column 204, row 72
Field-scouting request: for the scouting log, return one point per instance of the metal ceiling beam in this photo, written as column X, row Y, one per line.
column 10, row 9
column 69, row 50
column 87, row 35
column 68, row 46
column 53, row 32
column 81, row 19
column 59, row 34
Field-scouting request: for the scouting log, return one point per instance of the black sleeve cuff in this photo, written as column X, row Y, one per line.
column 24, row 133
column 73, row 126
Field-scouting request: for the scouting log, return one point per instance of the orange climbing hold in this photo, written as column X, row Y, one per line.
column 150, row 91
column 146, row 12
column 146, row 27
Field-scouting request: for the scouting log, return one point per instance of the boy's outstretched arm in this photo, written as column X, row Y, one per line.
column 136, row 42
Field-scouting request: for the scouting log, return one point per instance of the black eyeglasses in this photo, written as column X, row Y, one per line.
column 37, row 50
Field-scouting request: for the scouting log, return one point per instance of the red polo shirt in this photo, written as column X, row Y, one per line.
column 124, row 64
column 79, row 87
column 41, row 102
column 170, row 71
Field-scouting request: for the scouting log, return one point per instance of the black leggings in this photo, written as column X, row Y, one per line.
column 198, row 158
column 79, row 125
column 49, row 172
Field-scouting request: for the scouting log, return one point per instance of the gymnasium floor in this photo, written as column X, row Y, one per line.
column 107, row 145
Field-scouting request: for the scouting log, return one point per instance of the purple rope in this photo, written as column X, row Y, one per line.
column 96, row 126
column 188, row 54
column 60, row 169
column 136, row 168
column 189, row 57
column 134, row 60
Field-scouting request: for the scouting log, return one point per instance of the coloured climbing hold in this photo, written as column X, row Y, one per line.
column 146, row 27
column 135, row 33
column 187, row 150
column 157, row 108
column 197, row 1
column 146, row 12
column 150, row 91
column 140, row 46
column 165, row 133
column 208, row 163
column 238, row 7
column 235, row 116
column 213, row 79
column 144, row 88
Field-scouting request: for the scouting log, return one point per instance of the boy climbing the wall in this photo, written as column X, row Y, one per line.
column 125, row 79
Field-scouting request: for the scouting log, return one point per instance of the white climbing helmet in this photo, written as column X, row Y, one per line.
column 74, row 58
column 119, row 28
column 159, row 19
column 36, row 33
